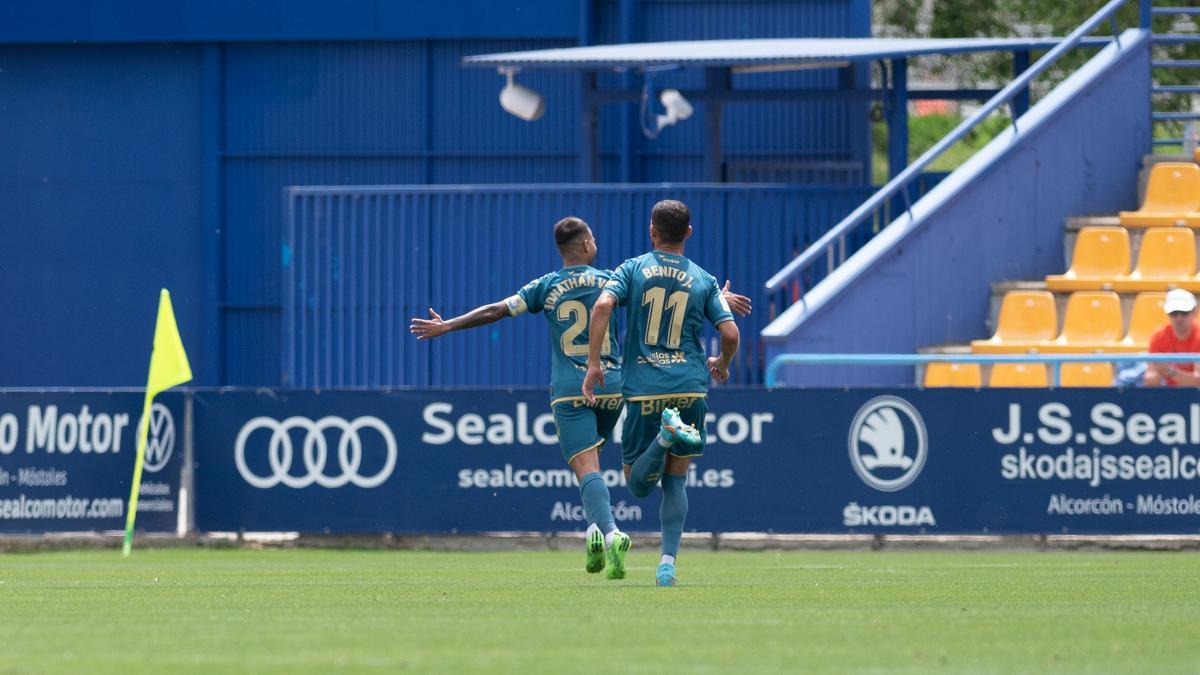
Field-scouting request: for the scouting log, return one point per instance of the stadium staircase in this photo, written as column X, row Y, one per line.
column 1095, row 285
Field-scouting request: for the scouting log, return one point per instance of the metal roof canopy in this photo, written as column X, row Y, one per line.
column 804, row 52
column 722, row 58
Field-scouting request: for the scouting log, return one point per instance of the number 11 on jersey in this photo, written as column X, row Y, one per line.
column 658, row 301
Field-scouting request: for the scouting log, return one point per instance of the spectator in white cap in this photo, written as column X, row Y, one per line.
column 1181, row 334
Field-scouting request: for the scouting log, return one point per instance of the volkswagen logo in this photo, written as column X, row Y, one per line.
column 314, row 451
column 160, row 440
column 888, row 443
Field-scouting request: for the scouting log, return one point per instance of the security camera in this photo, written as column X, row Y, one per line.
column 678, row 108
column 522, row 101
column 675, row 105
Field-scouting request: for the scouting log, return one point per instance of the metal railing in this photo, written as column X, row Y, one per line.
column 835, row 239
column 1173, row 118
column 1055, row 360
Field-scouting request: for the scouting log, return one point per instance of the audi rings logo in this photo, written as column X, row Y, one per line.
column 314, row 452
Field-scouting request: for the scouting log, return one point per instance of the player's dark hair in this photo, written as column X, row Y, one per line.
column 671, row 220
column 568, row 231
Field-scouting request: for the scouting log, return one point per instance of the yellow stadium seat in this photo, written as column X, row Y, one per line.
column 1144, row 320
column 1167, row 258
column 1101, row 255
column 1092, row 323
column 1085, row 374
column 953, row 375
column 1027, row 319
column 1018, row 375
column 1172, row 197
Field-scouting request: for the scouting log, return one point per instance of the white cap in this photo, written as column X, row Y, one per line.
column 1179, row 300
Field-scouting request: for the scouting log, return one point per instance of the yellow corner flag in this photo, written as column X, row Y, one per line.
column 168, row 367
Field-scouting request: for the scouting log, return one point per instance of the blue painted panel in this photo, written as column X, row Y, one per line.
column 524, row 168
column 955, row 463
column 926, row 280
column 325, row 98
column 707, row 19
column 251, row 339
column 100, row 209
column 232, row 20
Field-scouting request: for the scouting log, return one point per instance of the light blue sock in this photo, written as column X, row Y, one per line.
column 673, row 512
column 596, row 502
column 647, row 468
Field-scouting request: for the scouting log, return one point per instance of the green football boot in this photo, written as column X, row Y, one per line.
column 616, row 555
column 675, row 429
column 595, row 550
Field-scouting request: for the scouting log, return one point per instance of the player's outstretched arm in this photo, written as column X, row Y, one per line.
column 426, row 329
column 718, row 366
column 597, row 329
column 738, row 304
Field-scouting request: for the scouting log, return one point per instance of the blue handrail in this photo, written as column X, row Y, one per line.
column 914, row 359
column 902, row 180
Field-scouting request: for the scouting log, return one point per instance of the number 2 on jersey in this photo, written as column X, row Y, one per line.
column 658, row 301
column 575, row 312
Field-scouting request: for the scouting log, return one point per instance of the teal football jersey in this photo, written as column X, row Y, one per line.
column 669, row 298
column 567, row 297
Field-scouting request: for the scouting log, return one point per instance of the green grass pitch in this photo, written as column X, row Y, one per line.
column 321, row 611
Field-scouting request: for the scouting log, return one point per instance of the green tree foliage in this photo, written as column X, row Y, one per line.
column 1034, row 18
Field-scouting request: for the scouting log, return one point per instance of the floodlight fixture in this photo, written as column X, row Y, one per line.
column 521, row 101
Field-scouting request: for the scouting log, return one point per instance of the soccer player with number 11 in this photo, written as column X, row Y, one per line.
column 669, row 298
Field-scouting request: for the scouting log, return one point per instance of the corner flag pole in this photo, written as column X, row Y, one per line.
column 168, row 367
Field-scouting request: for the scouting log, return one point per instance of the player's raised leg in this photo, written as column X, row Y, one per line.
column 648, row 468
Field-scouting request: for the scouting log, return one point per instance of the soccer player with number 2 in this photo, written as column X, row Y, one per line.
column 566, row 297
column 669, row 298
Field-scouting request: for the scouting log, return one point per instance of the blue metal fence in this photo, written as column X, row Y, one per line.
column 360, row 262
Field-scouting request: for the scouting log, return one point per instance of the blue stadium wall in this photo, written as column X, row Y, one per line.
column 146, row 145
